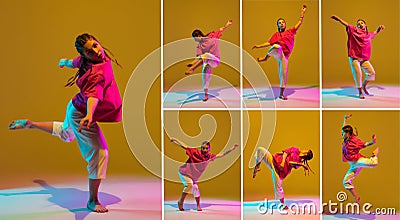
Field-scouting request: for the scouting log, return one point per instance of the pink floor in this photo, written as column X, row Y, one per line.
column 125, row 197
column 212, row 209
column 382, row 96
column 251, row 209
column 298, row 97
column 228, row 97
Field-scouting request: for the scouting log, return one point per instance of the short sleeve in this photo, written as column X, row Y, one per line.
column 76, row 63
column 94, row 87
column 293, row 30
column 350, row 29
column 217, row 34
column 360, row 143
column 190, row 151
column 292, row 150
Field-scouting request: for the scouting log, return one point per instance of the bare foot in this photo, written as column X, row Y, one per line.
column 180, row 206
column 189, row 71
column 96, row 207
column 365, row 90
column 256, row 169
column 199, row 209
column 20, row 124
column 283, row 97
column 361, row 96
column 205, row 98
column 376, row 152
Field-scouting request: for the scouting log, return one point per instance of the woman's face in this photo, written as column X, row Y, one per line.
column 205, row 149
column 361, row 24
column 281, row 24
column 94, row 51
column 346, row 135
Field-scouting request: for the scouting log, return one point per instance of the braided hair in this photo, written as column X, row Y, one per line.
column 86, row 64
column 305, row 160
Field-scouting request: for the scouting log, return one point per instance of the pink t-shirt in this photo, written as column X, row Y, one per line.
column 98, row 82
column 351, row 149
column 196, row 163
column 293, row 155
column 209, row 44
column 359, row 42
column 285, row 40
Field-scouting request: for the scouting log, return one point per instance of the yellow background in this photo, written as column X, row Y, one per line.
column 259, row 24
column 385, row 46
column 293, row 128
column 181, row 17
column 226, row 185
column 378, row 186
column 36, row 34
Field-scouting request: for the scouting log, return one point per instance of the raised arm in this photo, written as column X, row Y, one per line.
column 381, row 27
column 303, row 11
column 371, row 142
column 345, row 122
column 179, row 143
column 228, row 24
column 227, row 152
column 336, row 18
column 65, row 62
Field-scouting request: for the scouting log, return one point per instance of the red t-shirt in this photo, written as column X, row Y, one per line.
column 285, row 40
column 209, row 44
column 196, row 163
column 351, row 149
column 98, row 82
column 359, row 42
column 293, row 155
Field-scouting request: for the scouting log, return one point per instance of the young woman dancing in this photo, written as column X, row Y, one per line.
column 207, row 54
column 282, row 43
column 359, row 52
column 190, row 172
column 351, row 153
column 281, row 164
column 97, row 101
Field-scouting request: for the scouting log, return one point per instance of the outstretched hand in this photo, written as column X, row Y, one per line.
column 61, row 63
column 303, row 9
column 347, row 116
column 334, row 17
column 374, row 138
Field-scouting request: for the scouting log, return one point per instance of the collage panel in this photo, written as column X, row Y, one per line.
column 44, row 177
column 281, row 171
column 202, row 164
column 201, row 55
column 283, row 38
column 360, row 164
column 361, row 52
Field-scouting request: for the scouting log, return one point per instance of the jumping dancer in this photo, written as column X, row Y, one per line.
column 194, row 167
column 207, row 54
column 351, row 153
column 359, row 52
column 98, row 101
column 281, row 165
column 282, row 43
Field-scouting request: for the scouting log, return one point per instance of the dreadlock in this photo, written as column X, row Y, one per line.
column 306, row 158
column 85, row 62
